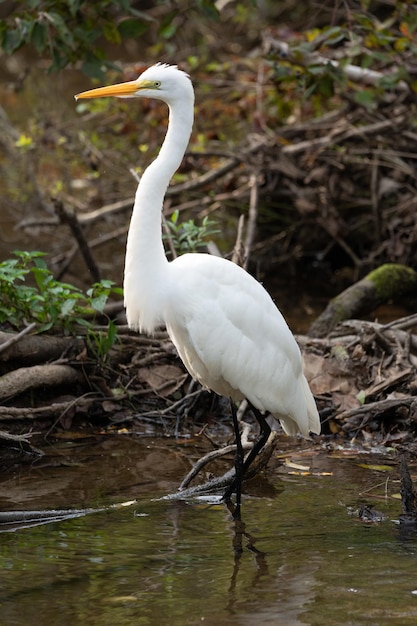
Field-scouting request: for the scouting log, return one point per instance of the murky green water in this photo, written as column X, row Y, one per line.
column 299, row 558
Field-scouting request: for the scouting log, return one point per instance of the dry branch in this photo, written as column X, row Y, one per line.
column 71, row 219
column 306, row 59
column 343, row 134
column 374, row 410
column 53, row 410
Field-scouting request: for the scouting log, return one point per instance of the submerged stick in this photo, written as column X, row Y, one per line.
column 15, row 520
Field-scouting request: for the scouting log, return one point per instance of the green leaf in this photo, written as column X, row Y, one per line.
column 39, row 36
column 366, row 98
column 309, row 91
column 12, row 40
column 334, row 35
column 111, row 32
column 62, row 30
column 361, row 396
column 99, row 302
column 209, row 8
column 168, row 26
column 131, row 28
column 59, row 60
column 33, row 4
column 74, row 6
column 93, row 68
column 67, row 307
column 111, row 334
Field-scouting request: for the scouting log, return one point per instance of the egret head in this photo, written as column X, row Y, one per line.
column 160, row 81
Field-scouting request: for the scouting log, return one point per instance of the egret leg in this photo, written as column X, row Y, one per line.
column 239, row 465
column 265, row 431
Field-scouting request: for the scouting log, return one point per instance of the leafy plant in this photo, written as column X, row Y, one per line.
column 101, row 342
column 188, row 236
column 30, row 293
column 68, row 31
column 318, row 62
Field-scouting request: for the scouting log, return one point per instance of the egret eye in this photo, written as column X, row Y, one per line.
column 157, row 83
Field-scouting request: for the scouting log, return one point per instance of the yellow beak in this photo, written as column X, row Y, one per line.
column 119, row 90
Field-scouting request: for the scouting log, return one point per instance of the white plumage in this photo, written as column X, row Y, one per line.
column 233, row 339
column 228, row 332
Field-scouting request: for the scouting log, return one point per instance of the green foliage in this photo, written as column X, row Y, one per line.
column 100, row 343
column 46, row 301
column 208, row 8
column 68, row 31
column 188, row 236
column 388, row 47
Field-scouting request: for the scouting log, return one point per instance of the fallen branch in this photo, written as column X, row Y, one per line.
column 21, row 441
column 27, row 378
column 378, row 286
column 15, row 520
column 216, row 454
column 342, row 134
column 12, row 413
column 375, row 410
column 214, row 484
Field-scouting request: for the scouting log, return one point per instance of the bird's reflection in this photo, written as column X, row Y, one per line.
column 243, row 541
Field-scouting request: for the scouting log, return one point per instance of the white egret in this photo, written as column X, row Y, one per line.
column 227, row 330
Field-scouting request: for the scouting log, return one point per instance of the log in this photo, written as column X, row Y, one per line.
column 387, row 281
column 26, row 378
column 32, row 349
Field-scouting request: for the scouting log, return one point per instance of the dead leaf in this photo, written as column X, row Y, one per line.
column 163, row 379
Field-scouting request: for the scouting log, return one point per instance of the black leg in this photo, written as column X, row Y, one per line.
column 239, row 465
column 265, row 430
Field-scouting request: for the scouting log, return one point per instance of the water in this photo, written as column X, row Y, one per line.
column 297, row 558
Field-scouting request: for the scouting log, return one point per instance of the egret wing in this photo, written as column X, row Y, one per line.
column 234, row 340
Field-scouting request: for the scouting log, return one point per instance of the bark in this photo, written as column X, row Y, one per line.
column 27, row 378
column 31, row 349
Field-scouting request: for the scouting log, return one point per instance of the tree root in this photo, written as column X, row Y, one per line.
column 27, row 378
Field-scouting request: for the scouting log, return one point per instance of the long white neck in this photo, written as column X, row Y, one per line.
column 146, row 264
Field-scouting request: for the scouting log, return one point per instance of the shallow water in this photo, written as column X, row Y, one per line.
column 298, row 558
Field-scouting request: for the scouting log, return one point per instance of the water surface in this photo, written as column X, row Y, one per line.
column 297, row 558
